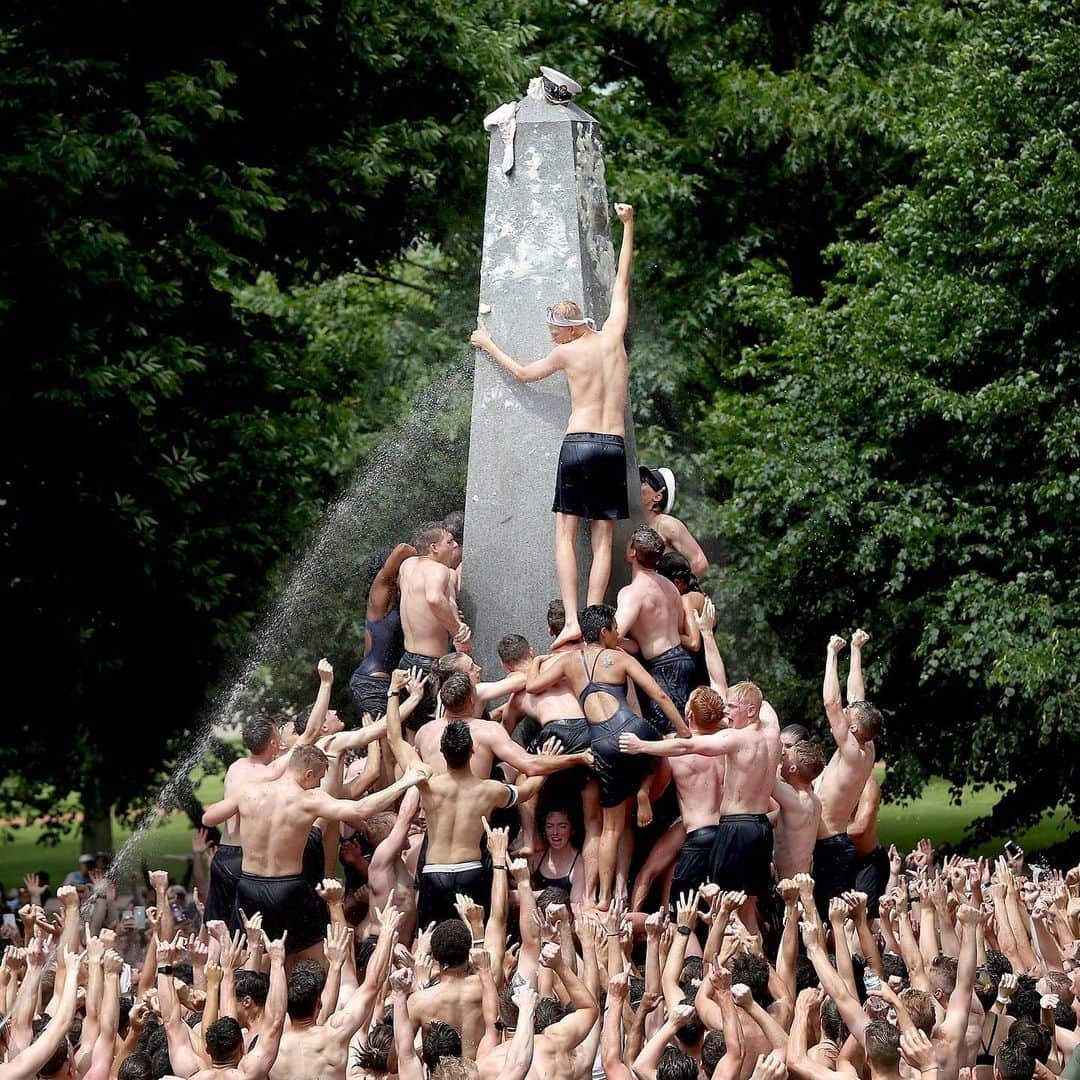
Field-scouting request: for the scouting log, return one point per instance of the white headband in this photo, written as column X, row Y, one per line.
column 562, row 320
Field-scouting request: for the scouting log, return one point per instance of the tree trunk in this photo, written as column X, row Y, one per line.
column 97, row 813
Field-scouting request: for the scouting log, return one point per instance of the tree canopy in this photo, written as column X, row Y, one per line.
column 240, row 248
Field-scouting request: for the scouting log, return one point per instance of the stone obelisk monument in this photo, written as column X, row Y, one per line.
column 546, row 238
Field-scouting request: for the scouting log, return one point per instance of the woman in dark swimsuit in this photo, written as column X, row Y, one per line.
column 600, row 675
column 560, row 866
column 383, row 640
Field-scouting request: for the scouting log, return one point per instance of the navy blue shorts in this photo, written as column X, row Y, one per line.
column 591, row 478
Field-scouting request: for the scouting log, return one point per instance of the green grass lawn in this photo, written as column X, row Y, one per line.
column 935, row 816
column 931, row 815
column 170, row 835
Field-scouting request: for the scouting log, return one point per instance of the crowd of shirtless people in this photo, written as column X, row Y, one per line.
column 602, row 860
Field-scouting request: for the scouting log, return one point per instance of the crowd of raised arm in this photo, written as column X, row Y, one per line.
column 604, row 861
column 408, row 924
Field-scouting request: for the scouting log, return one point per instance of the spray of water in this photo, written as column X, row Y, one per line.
column 431, row 441
column 408, row 478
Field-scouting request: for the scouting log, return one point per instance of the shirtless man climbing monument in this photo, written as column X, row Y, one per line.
column 650, row 611
column 591, row 477
column 854, row 728
column 430, row 620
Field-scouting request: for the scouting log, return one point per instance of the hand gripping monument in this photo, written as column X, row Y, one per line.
column 547, row 240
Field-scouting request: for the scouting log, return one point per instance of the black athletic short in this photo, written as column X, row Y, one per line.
column 225, row 870
column 835, row 859
column 674, row 670
column 425, row 711
column 287, row 903
column 591, row 478
column 620, row 775
column 872, row 878
column 369, row 694
column 742, row 854
column 436, row 891
column 574, row 735
column 693, row 864
column 526, row 729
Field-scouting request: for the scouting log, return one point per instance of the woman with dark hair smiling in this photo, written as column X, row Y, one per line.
column 560, row 866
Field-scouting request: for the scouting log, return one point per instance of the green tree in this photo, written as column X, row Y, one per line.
column 903, row 452
column 174, row 440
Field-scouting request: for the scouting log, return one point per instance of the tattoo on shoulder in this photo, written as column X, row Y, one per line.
column 608, row 662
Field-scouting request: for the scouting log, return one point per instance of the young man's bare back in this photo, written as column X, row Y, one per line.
column 800, row 809
column 651, row 612
column 591, row 478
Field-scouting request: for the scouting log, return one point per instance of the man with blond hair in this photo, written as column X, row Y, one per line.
column 742, row 850
column 591, row 478
column 800, row 809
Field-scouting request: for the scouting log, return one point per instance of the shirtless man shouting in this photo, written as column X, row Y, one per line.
column 430, row 620
column 741, row 857
column 651, row 612
column 276, row 816
column 591, row 478
column 842, row 783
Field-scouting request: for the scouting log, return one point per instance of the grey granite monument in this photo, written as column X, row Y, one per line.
column 546, row 238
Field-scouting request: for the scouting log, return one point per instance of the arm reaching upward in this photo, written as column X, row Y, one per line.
column 830, row 693
column 258, row 1062
column 611, row 1040
column 322, row 703
column 714, row 662
column 404, row 754
column 619, row 314
column 856, row 688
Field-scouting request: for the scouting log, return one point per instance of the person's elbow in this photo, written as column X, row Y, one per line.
column 699, row 564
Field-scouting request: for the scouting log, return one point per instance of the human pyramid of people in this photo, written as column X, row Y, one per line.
column 606, row 862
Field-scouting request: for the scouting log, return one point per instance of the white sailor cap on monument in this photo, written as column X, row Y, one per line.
column 558, row 88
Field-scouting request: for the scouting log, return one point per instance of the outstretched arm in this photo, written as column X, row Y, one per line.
column 648, row 1061
column 185, row 1060
column 492, row 691
column 715, row 745
column 322, row 703
column 611, row 1039
column 539, row 369
column 28, row 1062
column 714, row 662
column 258, row 1062
column 402, row 751
column 409, row 1067
column 619, row 314
column 543, row 678
column 830, row 697
column 856, row 688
